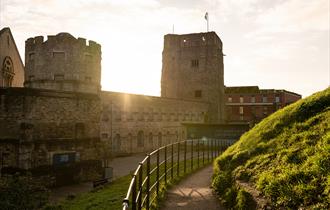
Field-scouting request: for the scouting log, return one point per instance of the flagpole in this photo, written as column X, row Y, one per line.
column 207, row 21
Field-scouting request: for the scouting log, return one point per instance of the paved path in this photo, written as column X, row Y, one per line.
column 193, row 193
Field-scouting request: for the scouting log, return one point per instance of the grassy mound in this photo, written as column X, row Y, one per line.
column 286, row 157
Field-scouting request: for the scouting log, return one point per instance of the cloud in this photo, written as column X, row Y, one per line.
column 261, row 37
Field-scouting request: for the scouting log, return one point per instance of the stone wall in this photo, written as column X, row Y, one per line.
column 138, row 123
column 36, row 124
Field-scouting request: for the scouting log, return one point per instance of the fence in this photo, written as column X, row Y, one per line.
column 166, row 164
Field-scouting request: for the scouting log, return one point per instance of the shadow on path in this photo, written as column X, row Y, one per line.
column 193, row 193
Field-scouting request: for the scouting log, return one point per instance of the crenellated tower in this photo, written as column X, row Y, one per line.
column 193, row 69
column 63, row 62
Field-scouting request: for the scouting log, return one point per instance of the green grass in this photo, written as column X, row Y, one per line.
column 110, row 197
column 286, row 157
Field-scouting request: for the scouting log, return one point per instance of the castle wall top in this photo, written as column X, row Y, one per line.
column 191, row 40
column 65, row 38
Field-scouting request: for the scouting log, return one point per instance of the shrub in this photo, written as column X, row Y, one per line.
column 22, row 192
column 244, row 201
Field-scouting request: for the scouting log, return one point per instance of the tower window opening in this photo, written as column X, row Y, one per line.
column 31, row 56
column 195, row 63
column 88, row 79
column 58, row 77
column 59, row 55
column 198, row 93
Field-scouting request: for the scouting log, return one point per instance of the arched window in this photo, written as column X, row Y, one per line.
column 130, row 142
column 151, row 140
column 140, row 139
column 79, row 130
column 7, row 72
column 160, row 139
column 176, row 136
column 168, row 137
column 117, row 142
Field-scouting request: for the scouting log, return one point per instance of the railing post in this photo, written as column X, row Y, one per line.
column 134, row 193
column 203, row 151
column 172, row 148
column 157, row 175
column 178, row 166
column 192, row 155
column 208, row 150
column 185, row 156
column 165, row 165
column 140, row 187
column 211, row 149
column 197, row 153
column 148, row 183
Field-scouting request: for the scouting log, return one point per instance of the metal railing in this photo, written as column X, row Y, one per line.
column 167, row 163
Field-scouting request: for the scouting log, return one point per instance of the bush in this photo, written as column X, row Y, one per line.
column 22, row 192
column 244, row 201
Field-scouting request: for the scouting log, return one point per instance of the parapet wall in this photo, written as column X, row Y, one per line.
column 63, row 62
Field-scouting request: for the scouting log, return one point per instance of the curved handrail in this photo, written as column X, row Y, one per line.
column 162, row 173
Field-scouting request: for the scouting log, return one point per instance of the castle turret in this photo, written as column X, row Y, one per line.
column 193, row 69
column 63, row 62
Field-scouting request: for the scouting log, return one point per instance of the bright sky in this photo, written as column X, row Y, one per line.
column 282, row 44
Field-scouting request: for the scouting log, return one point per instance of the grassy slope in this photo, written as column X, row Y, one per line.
column 286, row 157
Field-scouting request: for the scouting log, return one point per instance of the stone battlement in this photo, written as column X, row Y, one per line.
column 173, row 41
column 53, row 40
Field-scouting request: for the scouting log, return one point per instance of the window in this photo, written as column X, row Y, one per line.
column 241, row 99
column 88, row 79
column 140, row 139
column 198, row 93
column 117, row 143
column 150, row 140
column 59, row 55
column 64, row 158
column 31, row 56
column 58, row 77
column 277, row 99
column 117, row 115
column 265, row 111
column 7, row 72
column 79, row 130
column 104, row 135
column 88, row 57
column 253, row 99
column 264, row 99
column 159, row 139
column 230, row 99
column 195, row 63
column 105, row 118
column 241, row 110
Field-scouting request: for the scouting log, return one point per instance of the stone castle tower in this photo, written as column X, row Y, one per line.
column 63, row 63
column 193, row 69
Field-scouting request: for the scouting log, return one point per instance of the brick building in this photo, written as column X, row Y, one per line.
column 251, row 104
